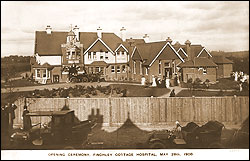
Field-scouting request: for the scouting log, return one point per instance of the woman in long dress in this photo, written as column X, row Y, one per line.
column 26, row 119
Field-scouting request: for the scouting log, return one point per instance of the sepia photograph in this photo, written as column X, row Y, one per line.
column 140, row 80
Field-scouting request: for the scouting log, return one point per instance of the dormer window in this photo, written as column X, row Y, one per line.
column 89, row 55
column 101, row 56
column 94, row 55
column 106, row 55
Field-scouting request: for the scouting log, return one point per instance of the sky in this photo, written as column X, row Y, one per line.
column 217, row 25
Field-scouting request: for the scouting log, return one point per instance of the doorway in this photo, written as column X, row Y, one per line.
column 168, row 73
column 55, row 78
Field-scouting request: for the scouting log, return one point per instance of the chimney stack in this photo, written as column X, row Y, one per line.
column 123, row 34
column 99, row 32
column 146, row 38
column 48, row 29
column 169, row 40
column 188, row 49
column 76, row 30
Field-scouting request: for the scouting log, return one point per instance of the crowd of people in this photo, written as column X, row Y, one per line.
column 165, row 82
column 242, row 78
column 8, row 116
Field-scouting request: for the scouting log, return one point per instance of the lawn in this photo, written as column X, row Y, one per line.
column 225, row 83
column 19, row 83
column 81, row 91
column 204, row 93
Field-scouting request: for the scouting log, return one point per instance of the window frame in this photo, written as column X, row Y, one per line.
column 123, row 68
column 159, row 67
column 118, row 69
column 89, row 55
column 94, row 55
column 112, row 69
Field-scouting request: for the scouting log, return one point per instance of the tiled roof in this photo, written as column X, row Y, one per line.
column 149, row 51
column 198, row 62
column 195, row 49
column 110, row 39
column 221, row 60
column 45, row 65
column 182, row 54
column 136, row 41
column 49, row 44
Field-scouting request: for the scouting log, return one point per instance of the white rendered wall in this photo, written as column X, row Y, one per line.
column 111, row 58
column 52, row 60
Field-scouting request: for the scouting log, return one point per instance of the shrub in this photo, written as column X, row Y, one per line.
column 197, row 81
column 190, row 80
column 64, row 93
column 87, row 96
column 94, row 92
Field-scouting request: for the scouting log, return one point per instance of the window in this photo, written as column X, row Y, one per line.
column 204, row 70
column 106, row 55
column 96, row 69
column 134, row 67
column 123, row 68
column 159, row 67
column 73, row 55
column 44, row 73
column 140, row 67
column 118, row 53
column 101, row 70
column 67, row 55
column 167, row 64
column 123, row 52
column 38, row 73
column 89, row 55
column 94, row 55
column 112, row 69
column 101, row 56
column 90, row 69
column 118, row 69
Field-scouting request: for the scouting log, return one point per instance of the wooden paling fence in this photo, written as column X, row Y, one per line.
column 145, row 110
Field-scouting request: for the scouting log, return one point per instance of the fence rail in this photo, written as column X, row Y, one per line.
column 145, row 110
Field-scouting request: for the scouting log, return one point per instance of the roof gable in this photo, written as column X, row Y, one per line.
column 98, row 46
column 170, row 53
column 167, row 54
column 204, row 53
column 136, row 55
column 182, row 53
column 121, row 48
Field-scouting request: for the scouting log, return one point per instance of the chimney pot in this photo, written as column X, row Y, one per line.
column 99, row 32
column 48, row 29
column 123, row 34
column 187, row 42
column 146, row 38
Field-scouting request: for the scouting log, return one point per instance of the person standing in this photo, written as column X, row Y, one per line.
column 26, row 119
column 154, row 81
column 172, row 94
column 12, row 116
column 4, row 119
